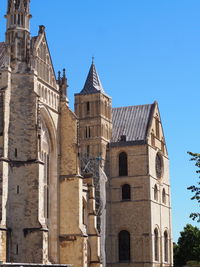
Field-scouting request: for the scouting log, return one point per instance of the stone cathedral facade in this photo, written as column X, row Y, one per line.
column 88, row 188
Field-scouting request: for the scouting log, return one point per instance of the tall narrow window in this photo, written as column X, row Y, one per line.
column 156, row 245
column 155, row 192
column 45, row 156
column 124, row 246
column 123, row 165
column 126, row 192
column 166, row 246
column 16, row 153
column 88, row 107
column 157, row 128
column 164, row 196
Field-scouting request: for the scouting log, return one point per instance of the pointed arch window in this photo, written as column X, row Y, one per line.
column 124, row 246
column 123, row 164
column 156, row 245
column 166, row 246
column 126, row 192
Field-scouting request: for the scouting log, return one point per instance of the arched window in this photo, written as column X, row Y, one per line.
column 45, row 154
column 156, row 245
column 155, row 192
column 123, row 166
column 164, row 196
column 126, row 192
column 166, row 246
column 124, row 246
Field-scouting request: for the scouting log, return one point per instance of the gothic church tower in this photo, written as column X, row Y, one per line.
column 29, row 151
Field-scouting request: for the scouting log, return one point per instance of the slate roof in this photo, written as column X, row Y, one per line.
column 93, row 83
column 132, row 122
column 3, row 54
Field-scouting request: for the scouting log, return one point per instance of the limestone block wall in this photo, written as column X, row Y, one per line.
column 4, row 167
column 134, row 215
column 160, row 208
column 69, row 162
column 25, row 237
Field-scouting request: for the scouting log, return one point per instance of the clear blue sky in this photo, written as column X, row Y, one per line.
column 144, row 51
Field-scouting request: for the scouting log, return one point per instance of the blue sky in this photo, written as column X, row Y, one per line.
column 144, row 51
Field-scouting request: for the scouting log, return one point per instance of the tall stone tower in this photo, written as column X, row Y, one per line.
column 93, row 109
column 139, row 231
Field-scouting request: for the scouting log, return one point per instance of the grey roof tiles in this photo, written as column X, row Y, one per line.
column 93, row 83
column 131, row 122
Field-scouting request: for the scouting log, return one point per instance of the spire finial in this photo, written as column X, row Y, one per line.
column 92, row 59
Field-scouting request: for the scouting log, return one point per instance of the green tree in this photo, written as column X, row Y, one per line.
column 195, row 188
column 188, row 246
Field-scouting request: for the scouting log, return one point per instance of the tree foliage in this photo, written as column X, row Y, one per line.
column 188, row 246
column 195, row 188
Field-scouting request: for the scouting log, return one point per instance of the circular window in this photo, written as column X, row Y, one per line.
column 159, row 165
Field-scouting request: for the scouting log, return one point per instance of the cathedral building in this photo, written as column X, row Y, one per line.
column 88, row 188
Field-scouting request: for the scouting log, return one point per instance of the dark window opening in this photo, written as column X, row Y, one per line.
column 15, row 152
column 124, row 246
column 18, row 21
column 18, row 189
column 164, row 196
column 126, row 192
column 17, row 249
column 166, row 246
column 88, row 107
column 156, row 244
column 123, row 166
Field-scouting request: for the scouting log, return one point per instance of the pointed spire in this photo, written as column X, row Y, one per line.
column 93, row 83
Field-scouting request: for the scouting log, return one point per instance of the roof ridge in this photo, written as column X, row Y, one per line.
column 133, row 106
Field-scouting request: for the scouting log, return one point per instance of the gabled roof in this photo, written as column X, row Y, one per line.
column 3, row 55
column 93, row 83
column 132, row 122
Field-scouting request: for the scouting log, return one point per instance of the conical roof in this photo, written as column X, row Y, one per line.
column 93, row 83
